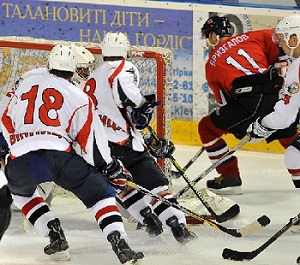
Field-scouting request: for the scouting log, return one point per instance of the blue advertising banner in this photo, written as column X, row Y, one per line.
column 78, row 22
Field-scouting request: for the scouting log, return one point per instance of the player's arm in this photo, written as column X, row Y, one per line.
column 127, row 95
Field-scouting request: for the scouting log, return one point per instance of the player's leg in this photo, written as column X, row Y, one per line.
column 85, row 181
column 229, row 181
column 292, row 162
column 19, row 172
column 146, row 172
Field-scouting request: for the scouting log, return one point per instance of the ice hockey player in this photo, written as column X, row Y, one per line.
column 114, row 88
column 84, row 60
column 245, row 83
column 43, row 118
column 286, row 110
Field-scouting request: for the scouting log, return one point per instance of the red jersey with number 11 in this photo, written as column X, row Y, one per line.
column 245, row 54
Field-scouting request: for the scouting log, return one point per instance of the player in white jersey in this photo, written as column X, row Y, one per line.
column 84, row 60
column 286, row 110
column 42, row 120
column 5, row 196
column 114, row 88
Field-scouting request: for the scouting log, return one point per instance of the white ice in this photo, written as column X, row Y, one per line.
column 268, row 190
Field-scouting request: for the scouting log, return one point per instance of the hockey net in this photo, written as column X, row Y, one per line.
column 20, row 54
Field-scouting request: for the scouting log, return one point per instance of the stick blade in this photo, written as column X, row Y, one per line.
column 229, row 214
column 236, row 255
column 255, row 226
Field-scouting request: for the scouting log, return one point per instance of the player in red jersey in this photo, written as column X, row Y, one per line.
column 240, row 71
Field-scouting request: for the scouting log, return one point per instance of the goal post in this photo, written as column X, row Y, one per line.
column 21, row 54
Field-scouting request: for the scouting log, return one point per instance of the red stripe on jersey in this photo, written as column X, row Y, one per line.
column 115, row 73
column 105, row 210
column 7, row 121
column 82, row 138
column 31, row 204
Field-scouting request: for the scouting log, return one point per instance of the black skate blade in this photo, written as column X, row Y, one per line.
column 229, row 214
column 264, row 220
column 236, row 255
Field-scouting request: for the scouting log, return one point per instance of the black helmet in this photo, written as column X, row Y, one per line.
column 218, row 25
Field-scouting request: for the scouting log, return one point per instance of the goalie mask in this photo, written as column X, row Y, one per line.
column 115, row 44
column 62, row 58
column 85, row 60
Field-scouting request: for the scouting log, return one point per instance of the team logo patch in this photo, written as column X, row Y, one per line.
column 293, row 88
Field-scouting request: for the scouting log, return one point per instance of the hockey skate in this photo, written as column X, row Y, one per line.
column 58, row 246
column 225, row 186
column 124, row 253
column 153, row 224
column 181, row 233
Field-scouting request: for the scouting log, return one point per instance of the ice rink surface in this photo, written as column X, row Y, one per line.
column 268, row 190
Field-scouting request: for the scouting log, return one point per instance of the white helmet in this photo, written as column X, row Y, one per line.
column 84, row 57
column 115, row 44
column 63, row 58
column 287, row 27
column 84, row 61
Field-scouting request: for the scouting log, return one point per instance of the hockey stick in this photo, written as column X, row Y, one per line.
column 176, row 174
column 239, row 256
column 230, row 213
column 244, row 231
column 214, row 165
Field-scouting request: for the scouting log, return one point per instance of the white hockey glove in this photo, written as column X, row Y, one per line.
column 117, row 175
column 162, row 149
column 258, row 132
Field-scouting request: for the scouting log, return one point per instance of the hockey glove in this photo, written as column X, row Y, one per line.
column 258, row 132
column 117, row 175
column 142, row 116
column 162, row 149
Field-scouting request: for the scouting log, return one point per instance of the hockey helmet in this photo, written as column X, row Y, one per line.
column 287, row 27
column 84, row 60
column 115, row 44
column 63, row 58
column 84, row 57
column 219, row 25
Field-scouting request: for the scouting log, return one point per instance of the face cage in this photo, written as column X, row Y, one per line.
column 280, row 35
column 83, row 72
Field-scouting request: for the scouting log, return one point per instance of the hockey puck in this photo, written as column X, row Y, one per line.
column 264, row 220
column 298, row 260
